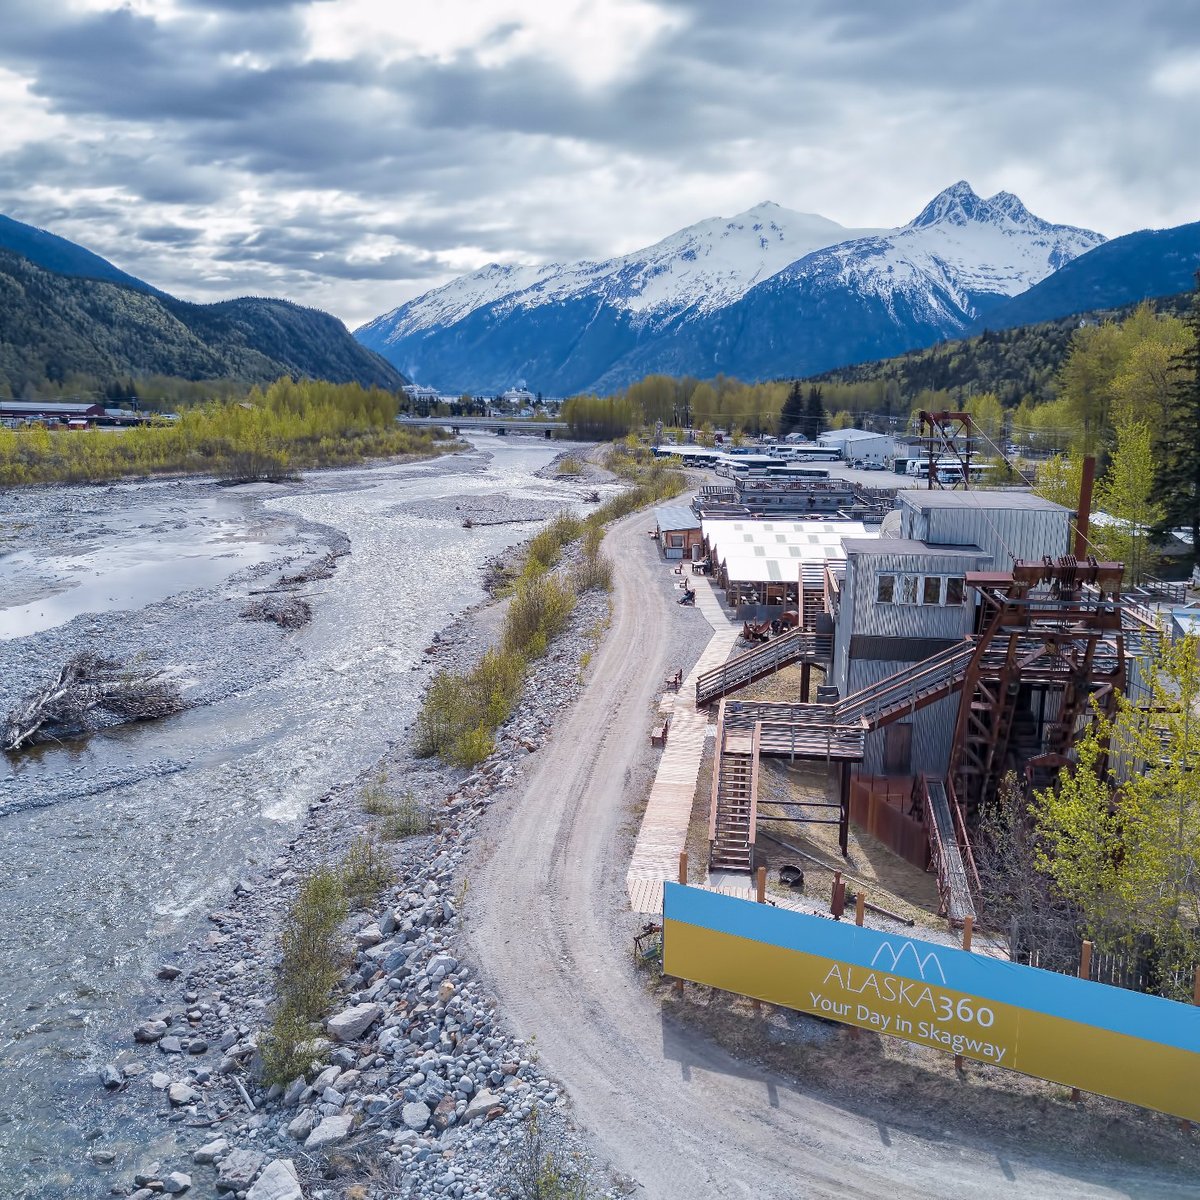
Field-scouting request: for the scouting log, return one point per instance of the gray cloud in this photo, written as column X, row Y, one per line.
column 225, row 119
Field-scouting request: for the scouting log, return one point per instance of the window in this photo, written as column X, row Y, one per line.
column 675, row 540
column 931, row 591
column 886, row 590
column 908, row 589
column 955, row 590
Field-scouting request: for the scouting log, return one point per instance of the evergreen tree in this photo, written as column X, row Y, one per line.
column 791, row 417
column 1178, row 479
column 814, row 413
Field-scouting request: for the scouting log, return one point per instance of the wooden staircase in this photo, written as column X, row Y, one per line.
column 949, row 850
column 734, row 809
column 797, row 645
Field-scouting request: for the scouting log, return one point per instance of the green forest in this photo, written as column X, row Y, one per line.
column 64, row 336
column 269, row 433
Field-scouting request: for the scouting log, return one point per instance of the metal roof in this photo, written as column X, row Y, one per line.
column 897, row 545
column 676, row 516
column 976, row 498
column 46, row 406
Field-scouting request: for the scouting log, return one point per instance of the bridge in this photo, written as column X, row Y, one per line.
column 501, row 425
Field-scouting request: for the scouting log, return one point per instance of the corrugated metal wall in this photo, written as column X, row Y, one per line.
column 1003, row 533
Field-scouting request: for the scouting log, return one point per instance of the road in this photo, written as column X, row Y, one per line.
column 665, row 1106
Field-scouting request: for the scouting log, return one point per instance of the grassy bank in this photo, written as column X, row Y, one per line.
column 270, row 434
column 460, row 713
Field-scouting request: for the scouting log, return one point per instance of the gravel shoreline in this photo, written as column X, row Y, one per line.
column 424, row 1092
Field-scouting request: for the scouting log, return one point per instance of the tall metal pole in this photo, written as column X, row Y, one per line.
column 1085, row 506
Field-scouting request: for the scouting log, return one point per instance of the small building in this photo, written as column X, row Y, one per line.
column 679, row 533
column 1005, row 525
column 55, row 411
column 903, row 601
column 860, row 445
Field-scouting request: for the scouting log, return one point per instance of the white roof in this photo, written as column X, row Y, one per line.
column 779, row 551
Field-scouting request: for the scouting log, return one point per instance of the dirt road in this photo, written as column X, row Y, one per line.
column 677, row 1114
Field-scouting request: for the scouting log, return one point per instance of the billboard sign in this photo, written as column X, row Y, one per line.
column 1107, row 1040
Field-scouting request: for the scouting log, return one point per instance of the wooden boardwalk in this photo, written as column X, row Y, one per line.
column 664, row 828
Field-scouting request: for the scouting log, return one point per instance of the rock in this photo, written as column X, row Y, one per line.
column 160, row 1081
column 441, row 965
column 291, row 1095
column 415, row 1115
column 170, row 1045
column 149, row 1031
column 110, row 1077
column 210, row 1152
column 330, row 1131
column 177, row 1183
column 482, row 1103
column 371, row 935
column 104, row 1157
column 238, row 1170
column 168, row 972
column 180, row 1094
column 301, row 1126
column 195, row 1046
column 277, row 1182
column 443, row 1115
column 351, row 1024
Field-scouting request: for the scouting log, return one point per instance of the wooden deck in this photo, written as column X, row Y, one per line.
column 664, row 828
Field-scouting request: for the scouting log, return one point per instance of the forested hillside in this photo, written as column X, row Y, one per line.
column 55, row 328
column 1013, row 364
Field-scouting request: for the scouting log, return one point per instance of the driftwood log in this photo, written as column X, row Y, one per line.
column 86, row 685
column 288, row 612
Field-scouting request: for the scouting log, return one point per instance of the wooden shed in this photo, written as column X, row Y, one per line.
column 679, row 532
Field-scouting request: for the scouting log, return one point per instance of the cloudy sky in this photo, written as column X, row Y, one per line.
column 353, row 153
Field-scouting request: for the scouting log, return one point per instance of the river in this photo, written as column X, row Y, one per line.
column 133, row 835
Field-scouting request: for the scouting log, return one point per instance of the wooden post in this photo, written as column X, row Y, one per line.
column 760, row 890
column 837, row 902
column 844, row 815
column 805, row 680
column 683, row 878
column 968, row 936
column 1085, row 966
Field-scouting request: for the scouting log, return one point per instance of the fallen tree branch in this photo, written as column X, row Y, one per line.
column 87, row 684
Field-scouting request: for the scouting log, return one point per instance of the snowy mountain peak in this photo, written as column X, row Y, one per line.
column 957, row 205
column 938, row 272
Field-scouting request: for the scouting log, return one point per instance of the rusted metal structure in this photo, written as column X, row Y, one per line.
column 1050, row 652
column 947, row 436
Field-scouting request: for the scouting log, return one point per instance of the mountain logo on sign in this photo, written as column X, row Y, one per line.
column 921, row 963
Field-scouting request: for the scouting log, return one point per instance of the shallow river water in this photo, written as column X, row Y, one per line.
column 97, row 886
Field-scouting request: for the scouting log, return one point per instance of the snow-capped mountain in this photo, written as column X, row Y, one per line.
column 769, row 292
column 705, row 266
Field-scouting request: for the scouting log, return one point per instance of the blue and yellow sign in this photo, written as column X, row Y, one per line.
column 1102, row 1039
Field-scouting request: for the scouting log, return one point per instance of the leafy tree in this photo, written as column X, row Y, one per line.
column 1124, row 494
column 1120, row 836
column 1178, row 480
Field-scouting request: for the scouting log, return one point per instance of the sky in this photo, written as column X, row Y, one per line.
column 352, row 154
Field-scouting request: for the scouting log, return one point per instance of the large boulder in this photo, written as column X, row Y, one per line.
column 330, row 1131
column 350, row 1024
column 238, row 1170
column 277, row 1182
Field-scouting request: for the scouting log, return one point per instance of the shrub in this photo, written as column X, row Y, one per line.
column 570, row 466
column 365, row 872
column 537, row 614
column 309, row 969
column 471, row 747
column 407, row 817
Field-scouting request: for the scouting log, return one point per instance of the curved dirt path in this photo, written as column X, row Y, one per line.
column 667, row 1107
